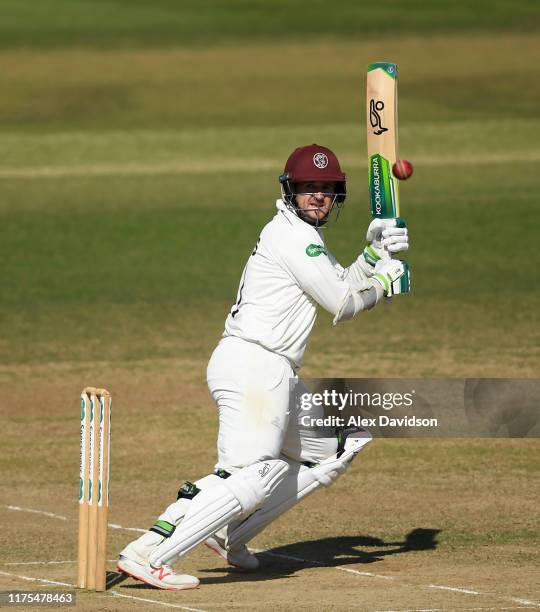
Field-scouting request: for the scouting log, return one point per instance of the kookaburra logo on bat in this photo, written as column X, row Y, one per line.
column 375, row 118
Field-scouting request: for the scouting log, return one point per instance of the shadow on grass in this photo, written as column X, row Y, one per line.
column 114, row 578
column 286, row 561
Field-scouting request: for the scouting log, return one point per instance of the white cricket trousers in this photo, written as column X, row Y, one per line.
column 257, row 421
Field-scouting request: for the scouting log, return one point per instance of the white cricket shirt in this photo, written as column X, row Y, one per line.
column 289, row 272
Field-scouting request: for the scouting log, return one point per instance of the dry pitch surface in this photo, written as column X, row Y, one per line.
column 413, row 525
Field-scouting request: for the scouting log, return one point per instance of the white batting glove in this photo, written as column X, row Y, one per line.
column 386, row 237
column 393, row 276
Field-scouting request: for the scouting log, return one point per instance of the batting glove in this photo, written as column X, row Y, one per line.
column 393, row 275
column 386, row 237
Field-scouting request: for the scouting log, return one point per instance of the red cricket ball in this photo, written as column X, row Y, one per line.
column 402, row 169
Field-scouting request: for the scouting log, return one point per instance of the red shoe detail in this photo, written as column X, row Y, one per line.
column 161, row 573
column 140, row 579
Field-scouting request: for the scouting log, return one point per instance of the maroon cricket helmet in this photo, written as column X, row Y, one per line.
column 312, row 163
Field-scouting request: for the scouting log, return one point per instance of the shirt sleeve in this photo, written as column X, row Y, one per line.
column 359, row 267
column 317, row 272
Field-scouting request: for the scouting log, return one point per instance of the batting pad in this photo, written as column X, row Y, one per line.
column 177, row 510
column 299, row 482
column 329, row 470
column 216, row 506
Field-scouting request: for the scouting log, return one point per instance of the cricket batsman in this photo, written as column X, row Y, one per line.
column 266, row 460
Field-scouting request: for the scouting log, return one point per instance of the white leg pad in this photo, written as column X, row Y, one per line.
column 216, row 506
column 177, row 510
column 252, row 485
column 298, row 484
column 140, row 549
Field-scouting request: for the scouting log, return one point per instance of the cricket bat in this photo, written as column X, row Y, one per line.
column 382, row 145
column 382, row 139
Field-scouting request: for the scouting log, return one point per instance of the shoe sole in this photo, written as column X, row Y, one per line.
column 157, row 586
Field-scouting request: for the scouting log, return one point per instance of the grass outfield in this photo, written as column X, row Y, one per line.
column 139, row 23
column 114, row 224
column 139, row 162
column 459, row 77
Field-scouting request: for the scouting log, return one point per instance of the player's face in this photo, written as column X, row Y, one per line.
column 315, row 198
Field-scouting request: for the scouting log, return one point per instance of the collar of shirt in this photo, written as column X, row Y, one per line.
column 280, row 205
column 295, row 219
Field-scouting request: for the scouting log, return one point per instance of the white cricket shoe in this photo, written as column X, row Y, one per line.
column 133, row 560
column 239, row 557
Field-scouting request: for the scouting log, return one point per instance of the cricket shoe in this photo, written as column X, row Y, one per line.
column 240, row 556
column 133, row 561
column 161, row 577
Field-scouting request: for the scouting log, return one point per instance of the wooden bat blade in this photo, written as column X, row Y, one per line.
column 382, row 139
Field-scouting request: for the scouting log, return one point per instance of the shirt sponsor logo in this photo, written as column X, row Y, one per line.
column 314, row 250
